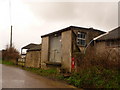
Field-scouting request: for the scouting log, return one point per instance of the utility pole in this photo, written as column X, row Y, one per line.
column 11, row 37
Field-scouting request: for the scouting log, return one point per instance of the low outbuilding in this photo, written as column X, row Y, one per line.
column 109, row 40
column 33, row 57
column 108, row 45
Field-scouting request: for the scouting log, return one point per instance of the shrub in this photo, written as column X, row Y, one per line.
column 95, row 77
column 10, row 53
column 108, row 59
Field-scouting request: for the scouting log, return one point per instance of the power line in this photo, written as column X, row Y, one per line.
column 10, row 14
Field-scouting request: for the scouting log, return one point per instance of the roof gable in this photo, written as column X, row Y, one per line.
column 70, row 28
column 35, row 48
column 29, row 46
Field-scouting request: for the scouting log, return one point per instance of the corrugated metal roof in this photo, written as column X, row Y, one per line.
column 113, row 34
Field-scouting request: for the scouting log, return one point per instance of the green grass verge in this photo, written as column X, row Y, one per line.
column 0, row 61
column 7, row 62
column 96, row 77
column 50, row 73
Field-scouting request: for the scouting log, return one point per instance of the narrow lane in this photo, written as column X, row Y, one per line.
column 13, row 77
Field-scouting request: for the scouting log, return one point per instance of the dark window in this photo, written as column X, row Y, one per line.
column 81, row 39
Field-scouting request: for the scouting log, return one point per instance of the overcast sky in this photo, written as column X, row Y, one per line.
column 32, row 18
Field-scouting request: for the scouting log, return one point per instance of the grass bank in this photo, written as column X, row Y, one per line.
column 50, row 73
column 96, row 77
column 7, row 63
column 93, row 77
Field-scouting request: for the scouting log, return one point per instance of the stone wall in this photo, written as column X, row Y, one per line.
column 33, row 59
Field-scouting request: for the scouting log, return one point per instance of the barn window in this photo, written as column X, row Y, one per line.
column 81, row 39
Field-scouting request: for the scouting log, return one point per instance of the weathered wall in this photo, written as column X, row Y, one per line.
column 100, row 47
column 33, row 59
column 90, row 34
column 44, row 51
column 111, row 54
column 66, row 50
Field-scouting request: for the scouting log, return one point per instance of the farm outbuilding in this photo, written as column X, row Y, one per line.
column 58, row 48
column 109, row 43
column 33, row 57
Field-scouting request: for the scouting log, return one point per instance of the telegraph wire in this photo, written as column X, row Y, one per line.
column 10, row 15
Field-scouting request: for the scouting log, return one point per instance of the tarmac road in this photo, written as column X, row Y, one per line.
column 13, row 77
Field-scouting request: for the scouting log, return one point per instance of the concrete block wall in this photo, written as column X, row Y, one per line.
column 44, row 51
column 66, row 50
column 100, row 47
column 33, row 59
column 29, row 61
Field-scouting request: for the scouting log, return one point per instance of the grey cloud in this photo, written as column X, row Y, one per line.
column 53, row 11
column 89, row 12
column 56, row 15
